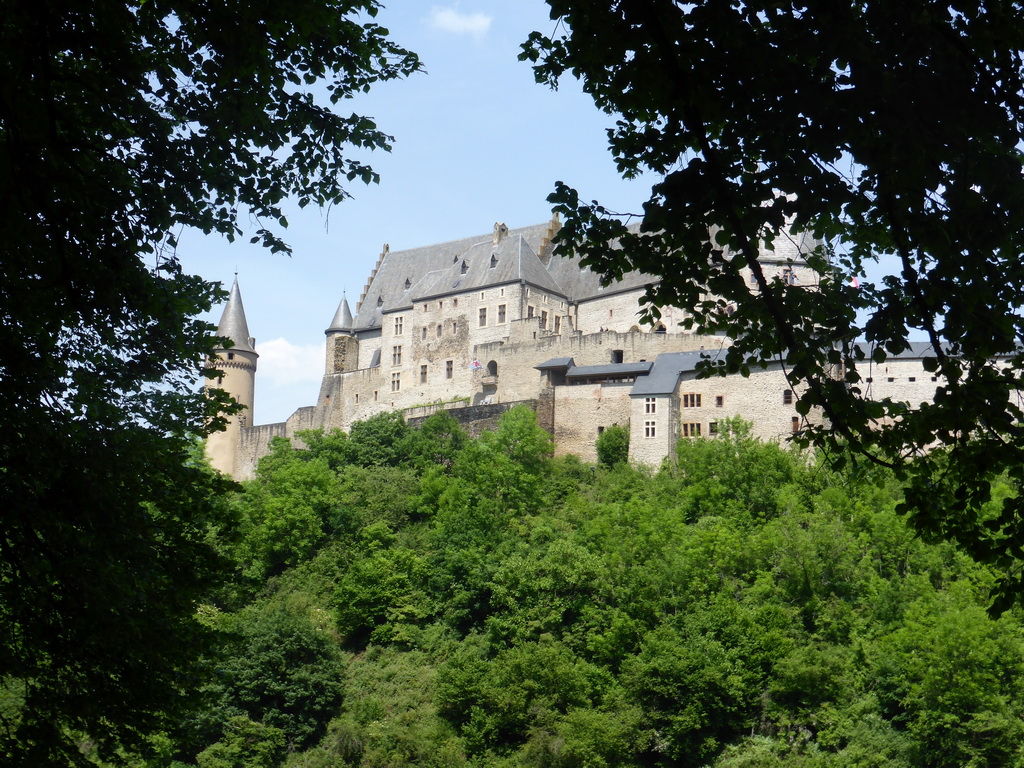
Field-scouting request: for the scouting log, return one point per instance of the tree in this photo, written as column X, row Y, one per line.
column 613, row 446
column 831, row 123
column 120, row 124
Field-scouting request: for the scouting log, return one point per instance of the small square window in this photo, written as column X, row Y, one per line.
column 796, row 424
column 719, row 401
column 787, row 397
column 713, row 428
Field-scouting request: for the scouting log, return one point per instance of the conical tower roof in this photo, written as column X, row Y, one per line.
column 232, row 322
column 342, row 318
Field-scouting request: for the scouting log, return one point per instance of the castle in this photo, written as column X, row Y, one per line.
column 477, row 325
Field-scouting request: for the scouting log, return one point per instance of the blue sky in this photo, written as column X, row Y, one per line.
column 476, row 141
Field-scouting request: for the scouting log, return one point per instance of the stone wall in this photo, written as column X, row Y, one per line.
column 581, row 410
column 476, row 419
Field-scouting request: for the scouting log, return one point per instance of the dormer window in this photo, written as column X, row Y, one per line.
column 494, row 261
column 463, row 269
column 380, row 301
column 408, row 283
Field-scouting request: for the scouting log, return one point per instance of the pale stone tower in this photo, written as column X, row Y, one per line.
column 342, row 348
column 238, row 363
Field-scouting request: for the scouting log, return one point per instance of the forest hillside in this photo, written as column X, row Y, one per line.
column 417, row 598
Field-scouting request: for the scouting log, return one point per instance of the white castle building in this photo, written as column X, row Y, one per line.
column 477, row 325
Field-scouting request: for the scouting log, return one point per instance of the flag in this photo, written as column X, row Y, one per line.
column 855, row 282
column 475, row 365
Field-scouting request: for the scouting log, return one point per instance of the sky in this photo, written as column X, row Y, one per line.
column 477, row 141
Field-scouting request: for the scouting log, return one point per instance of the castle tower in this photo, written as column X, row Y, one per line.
column 238, row 363
column 342, row 349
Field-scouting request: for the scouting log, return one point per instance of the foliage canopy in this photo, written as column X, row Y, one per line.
column 120, row 124
column 743, row 606
column 889, row 132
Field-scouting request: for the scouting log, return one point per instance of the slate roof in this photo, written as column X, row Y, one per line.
column 403, row 275
column 342, row 318
column 555, row 363
column 668, row 366
column 610, row 370
column 523, row 255
column 232, row 322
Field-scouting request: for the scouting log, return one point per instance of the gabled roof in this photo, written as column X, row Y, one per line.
column 402, row 275
column 485, row 264
column 667, row 368
column 232, row 322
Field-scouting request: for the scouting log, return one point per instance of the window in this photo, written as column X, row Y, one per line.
column 787, row 397
column 455, row 326
column 439, row 330
column 501, row 313
column 691, row 430
column 423, row 374
column 396, row 355
column 455, row 302
column 396, row 382
column 890, row 378
column 544, row 320
column 650, row 429
column 494, row 261
column 650, row 405
column 463, row 269
column 231, row 355
column 440, row 305
column 600, row 431
column 424, row 333
column 483, row 316
column 912, row 378
column 789, row 277
column 481, row 295
column 617, row 355
column 796, row 423
column 713, row 428
column 449, row 369
column 375, row 394
column 558, row 323
column 399, row 323
column 691, row 400
column 408, row 283
column 357, row 398
column 426, row 306
column 529, row 312
column 719, row 401
column 501, row 292
column 611, row 313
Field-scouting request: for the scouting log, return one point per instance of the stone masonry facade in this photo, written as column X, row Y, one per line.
column 475, row 325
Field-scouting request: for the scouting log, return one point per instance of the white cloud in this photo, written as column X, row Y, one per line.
column 283, row 364
column 454, row 22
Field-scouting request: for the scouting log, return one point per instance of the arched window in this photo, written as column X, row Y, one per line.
column 492, row 368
